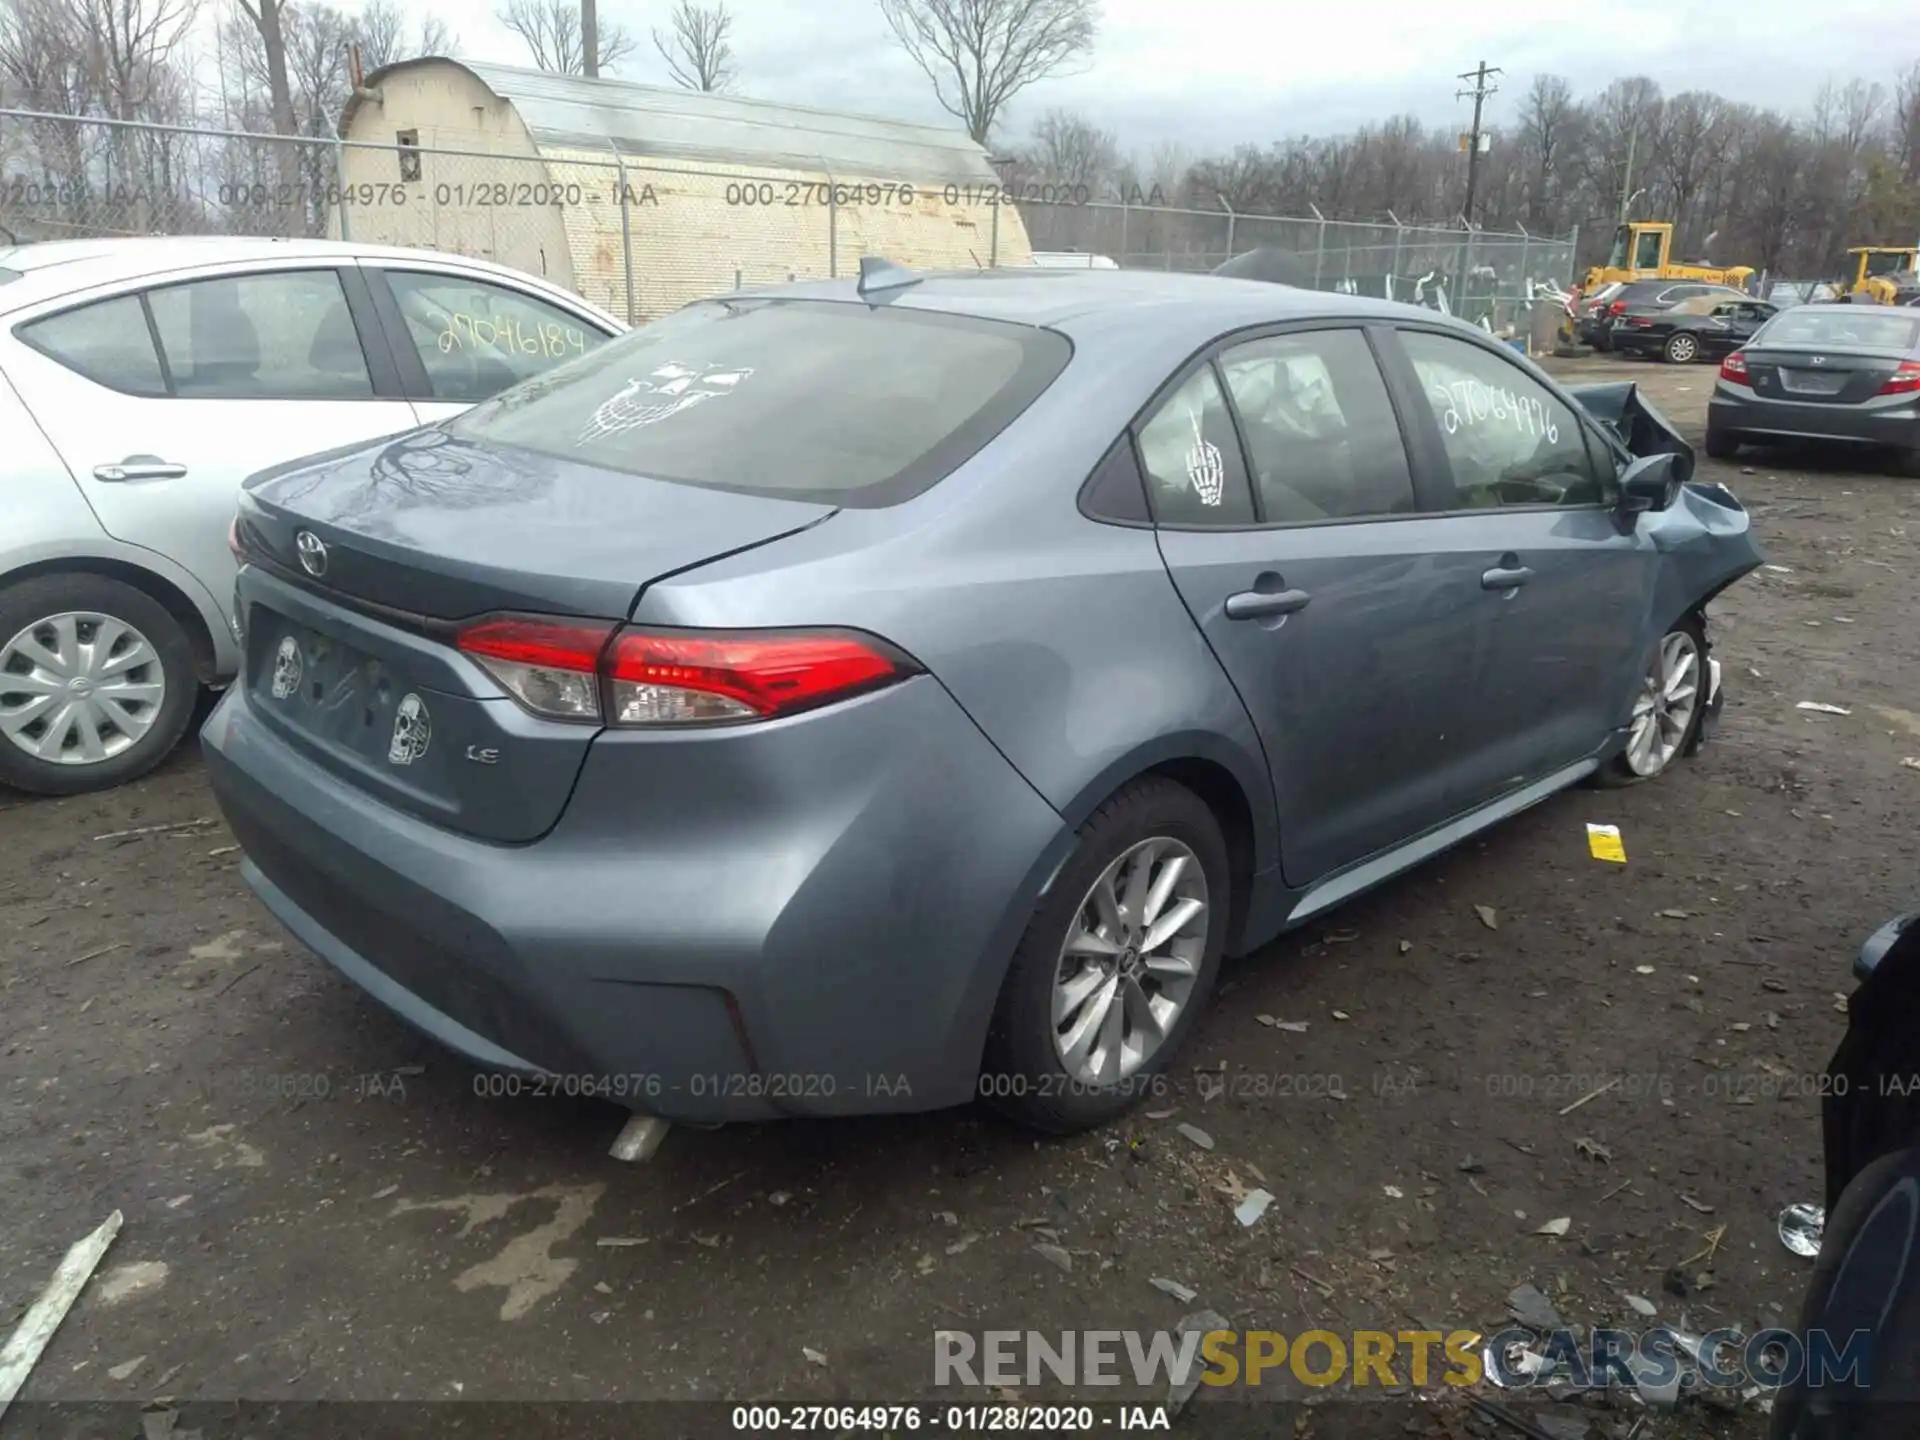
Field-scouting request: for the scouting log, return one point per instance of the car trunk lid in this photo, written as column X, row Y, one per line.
column 1830, row 375
column 350, row 633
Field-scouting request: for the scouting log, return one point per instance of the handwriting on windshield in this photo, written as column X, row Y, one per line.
column 1469, row 403
column 547, row 339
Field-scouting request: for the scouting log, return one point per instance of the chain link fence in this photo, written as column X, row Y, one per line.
column 640, row 238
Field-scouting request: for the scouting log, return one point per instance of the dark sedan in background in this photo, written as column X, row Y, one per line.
column 1848, row 374
column 1642, row 297
column 1701, row 326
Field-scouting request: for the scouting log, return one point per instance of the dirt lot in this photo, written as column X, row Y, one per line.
column 319, row 1206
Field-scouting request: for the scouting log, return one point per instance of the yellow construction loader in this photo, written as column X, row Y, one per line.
column 1883, row 274
column 1642, row 250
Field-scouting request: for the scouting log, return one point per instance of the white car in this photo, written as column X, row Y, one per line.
column 140, row 382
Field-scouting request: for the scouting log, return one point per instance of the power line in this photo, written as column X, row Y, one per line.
column 1479, row 75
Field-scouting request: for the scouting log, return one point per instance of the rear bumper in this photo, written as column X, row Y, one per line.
column 820, row 927
column 1733, row 413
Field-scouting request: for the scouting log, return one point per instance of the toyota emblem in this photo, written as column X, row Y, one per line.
column 313, row 553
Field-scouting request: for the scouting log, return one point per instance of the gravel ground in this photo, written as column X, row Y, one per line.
column 319, row 1206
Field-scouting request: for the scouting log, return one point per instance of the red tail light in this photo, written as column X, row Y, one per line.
column 1734, row 368
column 561, row 668
column 666, row 677
column 1639, row 322
column 550, row 666
column 1618, row 307
column 1903, row 381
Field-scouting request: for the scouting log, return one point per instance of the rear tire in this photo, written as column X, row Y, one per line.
column 1051, row 996
column 1680, row 349
column 117, row 669
column 1668, row 729
column 1720, row 445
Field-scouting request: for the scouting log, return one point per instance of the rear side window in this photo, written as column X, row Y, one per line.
column 1320, row 430
column 843, row 404
column 1195, row 474
column 108, row 342
column 1852, row 326
column 284, row 335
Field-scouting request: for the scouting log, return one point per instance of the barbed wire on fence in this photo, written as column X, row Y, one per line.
column 640, row 236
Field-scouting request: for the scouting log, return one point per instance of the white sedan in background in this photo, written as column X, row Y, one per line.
column 141, row 381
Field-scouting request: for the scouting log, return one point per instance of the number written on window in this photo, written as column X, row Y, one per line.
column 476, row 339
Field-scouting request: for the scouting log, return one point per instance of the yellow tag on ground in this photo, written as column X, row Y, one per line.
column 1605, row 843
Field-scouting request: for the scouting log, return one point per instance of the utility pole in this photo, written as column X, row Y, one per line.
column 1626, row 181
column 1479, row 75
column 590, row 38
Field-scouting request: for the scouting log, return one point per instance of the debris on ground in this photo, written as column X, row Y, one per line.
column 1196, row 1135
column 1557, row 1228
column 36, row 1327
column 1056, row 1256
column 1693, row 1204
column 1394, row 1192
column 1532, row 1309
column 1183, row 1293
column 814, row 1357
column 1200, row 1322
column 1593, row 1149
column 1604, row 843
column 1249, row 1210
column 1801, row 1228
column 1341, row 1015
column 1489, row 916
column 1643, row 1306
column 1820, row 707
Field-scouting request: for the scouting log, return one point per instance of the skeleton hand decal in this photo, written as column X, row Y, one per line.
column 1204, row 466
column 666, row 391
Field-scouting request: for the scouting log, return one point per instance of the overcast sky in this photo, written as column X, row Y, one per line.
column 1210, row 74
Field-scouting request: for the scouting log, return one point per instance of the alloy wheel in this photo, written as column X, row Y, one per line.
column 1663, row 712
column 1682, row 348
column 1131, row 957
column 79, row 687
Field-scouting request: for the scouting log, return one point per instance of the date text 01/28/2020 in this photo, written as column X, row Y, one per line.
column 960, row 1419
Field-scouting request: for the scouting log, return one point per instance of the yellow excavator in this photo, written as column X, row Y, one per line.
column 1643, row 250
column 1883, row 274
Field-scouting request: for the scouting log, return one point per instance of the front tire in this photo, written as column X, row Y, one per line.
column 1116, row 964
column 1681, row 349
column 96, row 684
column 1668, row 708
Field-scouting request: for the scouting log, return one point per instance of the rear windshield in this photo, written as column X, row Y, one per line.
column 1873, row 329
column 807, row 400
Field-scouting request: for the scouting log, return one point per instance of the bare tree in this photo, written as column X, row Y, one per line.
column 550, row 30
column 1548, row 123
column 981, row 53
column 1069, row 149
column 382, row 36
column 268, row 17
column 697, row 47
column 129, row 44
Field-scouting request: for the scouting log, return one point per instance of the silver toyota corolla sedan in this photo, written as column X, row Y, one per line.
column 140, row 382
column 862, row 697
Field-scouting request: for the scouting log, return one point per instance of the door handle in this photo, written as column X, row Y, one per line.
column 1502, row 579
column 140, row 467
column 1252, row 604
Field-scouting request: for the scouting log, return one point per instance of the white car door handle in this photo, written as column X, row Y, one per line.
column 140, row 467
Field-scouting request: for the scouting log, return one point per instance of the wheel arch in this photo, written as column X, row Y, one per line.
column 209, row 663
column 1227, row 782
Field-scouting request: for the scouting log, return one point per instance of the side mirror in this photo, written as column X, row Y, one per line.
column 1650, row 483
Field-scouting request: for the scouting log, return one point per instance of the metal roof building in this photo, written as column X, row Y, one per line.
column 642, row 198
